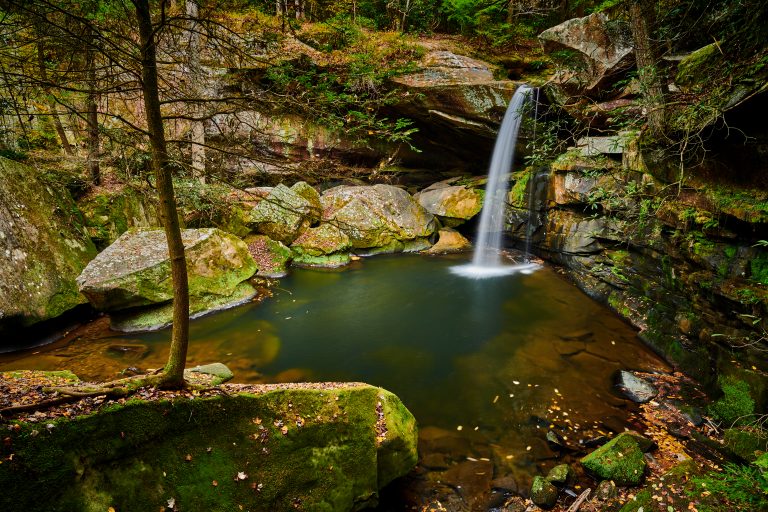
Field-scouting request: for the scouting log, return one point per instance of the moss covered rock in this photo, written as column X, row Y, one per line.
column 376, row 216
column 286, row 212
column 543, row 493
column 136, row 270
column 315, row 245
column 454, row 204
column 43, row 245
column 620, row 459
column 271, row 256
column 324, row 447
column 110, row 213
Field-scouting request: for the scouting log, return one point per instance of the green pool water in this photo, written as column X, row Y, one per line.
column 486, row 366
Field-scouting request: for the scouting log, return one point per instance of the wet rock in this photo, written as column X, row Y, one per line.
column 452, row 204
column 606, row 490
column 434, row 461
column 213, row 374
column 472, row 479
column 506, row 483
column 129, row 350
column 449, row 241
column 271, row 256
column 376, row 216
column 597, row 50
column 286, row 212
column 620, row 460
column 43, row 246
column 636, row 389
column 593, row 146
column 543, row 493
column 560, row 474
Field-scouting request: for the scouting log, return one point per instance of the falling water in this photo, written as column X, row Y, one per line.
column 487, row 259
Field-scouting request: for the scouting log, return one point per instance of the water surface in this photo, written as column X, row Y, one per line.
column 489, row 365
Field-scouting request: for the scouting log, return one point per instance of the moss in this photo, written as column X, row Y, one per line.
column 736, row 404
column 311, row 449
column 517, row 194
column 758, row 267
column 746, row 442
column 620, row 460
column 338, row 259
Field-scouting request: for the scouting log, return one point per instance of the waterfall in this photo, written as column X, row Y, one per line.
column 487, row 258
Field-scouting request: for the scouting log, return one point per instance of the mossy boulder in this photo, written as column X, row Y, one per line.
column 286, row 212
column 621, row 459
column 328, row 447
column 314, row 245
column 453, row 204
column 44, row 246
column 152, row 318
column 376, row 216
column 271, row 256
column 560, row 474
column 136, row 271
column 111, row 212
column 543, row 492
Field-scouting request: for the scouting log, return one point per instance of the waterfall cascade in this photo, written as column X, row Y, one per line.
column 487, row 259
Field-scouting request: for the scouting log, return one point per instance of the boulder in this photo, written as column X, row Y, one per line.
column 376, row 216
column 595, row 50
column 274, row 447
column 136, row 271
column 543, row 492
column 271, row 256
column 456, row 91
column 453, row 204
column 449, row 241
column 323, row 246
column 286, row 212
column 44, row 246
column 560, row 474
column 621, row 459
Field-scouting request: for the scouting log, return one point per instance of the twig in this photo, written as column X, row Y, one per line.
column 576, row 504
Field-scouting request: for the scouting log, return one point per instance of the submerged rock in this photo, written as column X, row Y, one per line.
column 543, row 492
column 620, row 459
column 636, row 389
column 209, row 374
column 376, row 216
column 136, row 271
column 279, row 448
column 43, row 245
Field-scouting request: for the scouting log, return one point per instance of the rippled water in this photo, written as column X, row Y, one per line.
column 487, row 366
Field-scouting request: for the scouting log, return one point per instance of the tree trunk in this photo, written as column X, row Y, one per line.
column 92, row 113
column 174, row 368
column 641, row 15
column 51, row 103
column 197, row 132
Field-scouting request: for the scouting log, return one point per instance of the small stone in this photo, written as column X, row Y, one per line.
column 543, row 493
column 636, row 389
column 606, row 490
column 560, row 474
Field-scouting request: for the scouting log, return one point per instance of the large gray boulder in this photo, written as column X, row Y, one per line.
column 136, row 270
column 596, row 49
column 286, row 212
column 43, row 247
column 376, row 216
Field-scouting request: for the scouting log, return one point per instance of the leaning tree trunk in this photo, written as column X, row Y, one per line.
column 174, row 368
column 641, row 14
